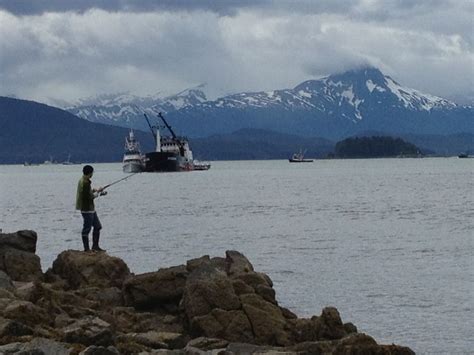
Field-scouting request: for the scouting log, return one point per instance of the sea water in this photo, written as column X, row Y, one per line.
column 388, row 242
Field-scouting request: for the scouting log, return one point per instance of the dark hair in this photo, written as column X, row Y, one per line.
column 87, row 170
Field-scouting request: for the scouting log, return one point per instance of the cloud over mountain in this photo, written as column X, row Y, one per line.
column 72, row 49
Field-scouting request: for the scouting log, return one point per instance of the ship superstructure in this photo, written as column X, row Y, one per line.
column 172, row 153
column 133, row 161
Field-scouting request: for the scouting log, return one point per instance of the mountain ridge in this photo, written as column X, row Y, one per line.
column 333, row 107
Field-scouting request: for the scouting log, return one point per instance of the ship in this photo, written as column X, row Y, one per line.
column 299, row 158
column 133, row 161
column 172, row 153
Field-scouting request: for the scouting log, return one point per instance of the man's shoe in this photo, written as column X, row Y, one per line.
column 98, row 249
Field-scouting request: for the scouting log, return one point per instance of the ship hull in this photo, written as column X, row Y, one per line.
column 161, row 162
column 132, row 167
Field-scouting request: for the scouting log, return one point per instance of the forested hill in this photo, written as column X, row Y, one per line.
column 34, row 132
column 375, row 147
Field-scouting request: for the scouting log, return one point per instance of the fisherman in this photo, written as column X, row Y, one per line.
column 85, row 203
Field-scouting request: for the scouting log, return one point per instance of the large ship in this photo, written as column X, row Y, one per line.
column 132, row 159
column 172, row 152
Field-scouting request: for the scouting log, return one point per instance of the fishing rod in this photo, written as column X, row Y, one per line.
column 122, row 179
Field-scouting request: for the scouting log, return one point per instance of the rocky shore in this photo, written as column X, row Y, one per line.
column 90, row 303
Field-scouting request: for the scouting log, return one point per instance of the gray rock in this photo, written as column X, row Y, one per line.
column 237, row 263
column 9, row 327
column 146, row 291
column 5, row 281
column 89, row 331
column 22, row 240
column 100, row 350
column 37, row 346
column 20, row 265
column 206, row 344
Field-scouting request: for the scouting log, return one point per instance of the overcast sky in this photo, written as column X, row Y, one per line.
column 60, row 49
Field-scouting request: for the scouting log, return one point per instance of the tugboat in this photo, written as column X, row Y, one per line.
column 299, row 158
column 132, row 158
column 172, row 152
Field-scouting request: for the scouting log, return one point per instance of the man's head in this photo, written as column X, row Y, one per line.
column 87, row 170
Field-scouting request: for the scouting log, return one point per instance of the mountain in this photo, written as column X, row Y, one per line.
column 333, row 107
column 126, row 110
column 34, row 132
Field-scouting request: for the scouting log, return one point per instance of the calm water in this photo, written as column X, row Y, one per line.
column 388, row 242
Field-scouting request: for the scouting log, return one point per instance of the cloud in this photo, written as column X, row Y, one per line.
column 72, row 49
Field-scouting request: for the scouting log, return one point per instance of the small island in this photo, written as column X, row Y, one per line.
column 375, row 147
column 89, row 303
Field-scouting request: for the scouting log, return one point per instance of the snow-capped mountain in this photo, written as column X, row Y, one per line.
column 335, row 106
column 127, row 110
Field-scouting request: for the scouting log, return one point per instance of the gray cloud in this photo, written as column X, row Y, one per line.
column 52, row 50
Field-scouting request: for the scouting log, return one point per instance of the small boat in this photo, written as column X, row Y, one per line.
column 132, row 158
column 464, row 155
column 199, row 165
column 299, row 158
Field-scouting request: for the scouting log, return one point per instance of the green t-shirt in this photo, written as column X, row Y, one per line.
column 84, row 196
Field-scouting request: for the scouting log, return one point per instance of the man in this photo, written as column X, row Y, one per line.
column 85, row 203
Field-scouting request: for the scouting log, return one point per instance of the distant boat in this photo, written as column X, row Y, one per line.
column 199, row 165
column 464, row 155
column 299, row 158
column 68, row 161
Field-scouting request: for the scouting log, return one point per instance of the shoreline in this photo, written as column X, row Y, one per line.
column 88, row 302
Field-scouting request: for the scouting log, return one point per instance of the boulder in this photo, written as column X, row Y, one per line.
column 37, row 346
column 26, row 313
column 227, row 325
column 24, row 240
column 207, row 288
column 80, row 269
column 5, row 281
column 237, row 263
column 147, row 291
column 267, row 320
column 100, row 350
column 89, row 331
column 13, row 328
column 156, row 340
column 206, row 344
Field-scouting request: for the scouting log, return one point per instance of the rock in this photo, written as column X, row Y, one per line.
column 5, row 281
column 106, row 297
column 100, row 350
column 243, row 348
column 241, row 288
column 81, row 269
column 255, row 279
column 237, row 263
column 89, row 331
column 20, row 265
column 267, row 320
column 26, row 313
column 228, row 325
column 13, row 328
column 350, row 328
column 37, row 346
column 24, row 240
column 157, row 340
column 146, row 291
column 331, row 324
column 208, row 288
column 206, row 344
column 352, row 344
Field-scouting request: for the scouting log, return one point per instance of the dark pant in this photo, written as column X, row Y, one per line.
column 91, row 220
